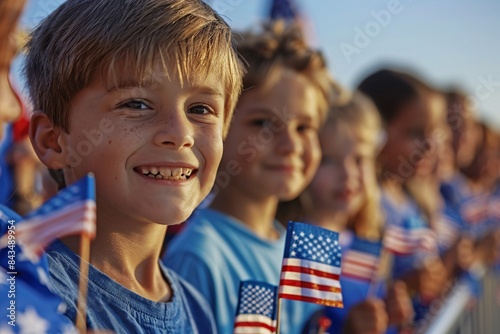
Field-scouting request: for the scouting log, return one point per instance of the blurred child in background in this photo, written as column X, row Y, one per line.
column 271, row 154
column 344, row 197
column 411, row 111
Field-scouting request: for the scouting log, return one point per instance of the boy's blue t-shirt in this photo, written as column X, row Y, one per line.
column 113, row 307
column 215, row 252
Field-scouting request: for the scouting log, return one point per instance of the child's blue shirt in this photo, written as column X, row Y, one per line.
column 215, row 252
column 112, row 306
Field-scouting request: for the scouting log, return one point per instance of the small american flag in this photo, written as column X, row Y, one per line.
column 360, row 260
column 474, row 210
column 72, row 211
column 256, row 312
column 413, row 236
column 311, row 265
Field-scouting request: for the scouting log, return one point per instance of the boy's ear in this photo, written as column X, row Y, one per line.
column 45, row 139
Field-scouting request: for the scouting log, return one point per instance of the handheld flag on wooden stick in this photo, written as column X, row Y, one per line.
column 256, row 312
column 311, row 265
column 70, row 212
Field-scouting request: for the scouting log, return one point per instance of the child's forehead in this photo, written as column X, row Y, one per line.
column 123, row 75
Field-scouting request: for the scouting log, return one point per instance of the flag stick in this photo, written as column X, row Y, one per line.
column 278, row 313
column 373, row 279
column 81, row 314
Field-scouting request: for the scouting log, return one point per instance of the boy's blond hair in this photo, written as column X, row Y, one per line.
column 281, row 46
column 85, row 38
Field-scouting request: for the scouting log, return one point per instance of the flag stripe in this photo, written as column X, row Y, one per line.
column 309, row 285
column 349, row 269
column 316, row 266
column 55, row 225
column 246, row 322
column 322, row 301
column 318, row 294
column 252, row 317
column 254, row 329
column 286, row 275
column 360, row 258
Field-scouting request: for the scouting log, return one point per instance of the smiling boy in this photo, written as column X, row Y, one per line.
column 141, row 94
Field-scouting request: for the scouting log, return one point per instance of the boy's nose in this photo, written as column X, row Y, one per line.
column 176, row 132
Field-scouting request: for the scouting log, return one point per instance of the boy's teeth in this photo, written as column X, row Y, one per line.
column 166, row 173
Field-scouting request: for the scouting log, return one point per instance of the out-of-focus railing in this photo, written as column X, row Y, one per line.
column 462, row 311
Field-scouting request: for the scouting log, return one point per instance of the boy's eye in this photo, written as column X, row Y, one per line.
column 201, row 110
column 135, row 104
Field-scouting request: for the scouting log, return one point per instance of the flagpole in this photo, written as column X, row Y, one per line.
column 81, row 314
column 278, row 316
column 371, row 287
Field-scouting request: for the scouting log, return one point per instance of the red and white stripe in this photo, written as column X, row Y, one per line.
column 311, row 282
column 475, row 210
column 358, row 265
column 38, row 232
column 254, row 323
column 397, row 241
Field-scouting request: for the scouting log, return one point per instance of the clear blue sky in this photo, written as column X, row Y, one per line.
column 446, row 41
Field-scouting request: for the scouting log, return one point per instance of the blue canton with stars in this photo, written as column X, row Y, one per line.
column 312, row 243
column 257, row 298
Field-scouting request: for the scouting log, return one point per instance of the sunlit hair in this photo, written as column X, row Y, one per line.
column 10, row 11
column 359, row 114
column 84, row 39
column 281, row 46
